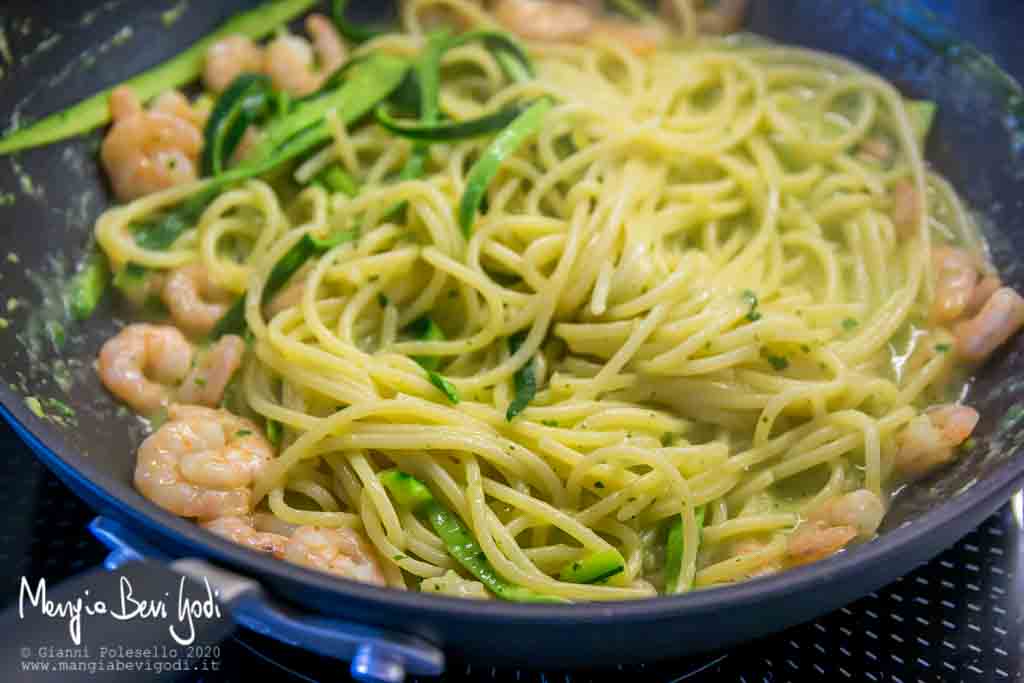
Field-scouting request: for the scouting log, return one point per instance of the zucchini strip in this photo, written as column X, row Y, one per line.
column 674, row 552
column 449, row 131
column 487, row 166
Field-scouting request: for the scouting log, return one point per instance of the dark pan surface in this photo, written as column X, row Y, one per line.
column 57, row 193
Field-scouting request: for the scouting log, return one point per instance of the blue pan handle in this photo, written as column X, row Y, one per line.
column 377, row 656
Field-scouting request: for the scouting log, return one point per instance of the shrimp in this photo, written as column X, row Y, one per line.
column 875, row 149
column 229, row 58
column 148, row 151
column 343, row 552
column 209, row 378
column 242, row 530
column 957, row 277
column 291, row 61
column 988, row 286
column 202, row 463
column 861, row 509
column 814, row 541
column 639, row 38
column 927, row 442
column 195, row 302
column 142, row 363
column 906, row 206
column 1000, row 318
column 173, row 103
column 545, row 20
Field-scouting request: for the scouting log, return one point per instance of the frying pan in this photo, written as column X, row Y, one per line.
column 53, row 195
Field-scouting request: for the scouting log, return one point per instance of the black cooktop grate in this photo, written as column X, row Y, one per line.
column 959, row 618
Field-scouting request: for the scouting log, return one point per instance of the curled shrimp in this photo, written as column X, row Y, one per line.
column 640, row 38
column 173, row 103
column 907, row 206
column 242, row 530
column 929, row 440
column 142, row 364
column 875, row 149
column 545, row 20
column 861, row 509
column 342, row 552
column 202, row 463
column 813, row 541
column 956, row 279
column 291, row 61
column 209, row 378
column 148, row 151
column 986, row 287
column 229, row 58
column 1000, row 318
column 195, row 302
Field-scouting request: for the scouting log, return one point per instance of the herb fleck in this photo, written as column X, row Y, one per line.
column 750, row 298
column 943, row 348
column 850, row 324
column 779, row 363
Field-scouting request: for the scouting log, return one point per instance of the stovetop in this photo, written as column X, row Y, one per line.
column 959, row 618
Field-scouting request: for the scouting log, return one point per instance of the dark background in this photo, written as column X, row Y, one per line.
column 958, row 618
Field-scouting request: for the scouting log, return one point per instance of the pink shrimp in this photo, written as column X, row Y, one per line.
column 999, row 319
column 956, row 278
column 928, row 441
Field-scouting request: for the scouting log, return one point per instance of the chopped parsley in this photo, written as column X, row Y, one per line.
column 199, row 381
column 750, row 298
column 550, row 423
column 667, row 439
column 598, row 484
column 382, row 300
column 243, row 433
column 850, row 324
column 943, row 348
column 779, row 363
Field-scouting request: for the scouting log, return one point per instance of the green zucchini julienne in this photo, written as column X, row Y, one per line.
column 248, row 99
column 163, row 229
column 449, row 130
column 411, row 493
column 426, row 81
column 95, row 111
column 336, row 179
column 351, row 30
column 510, row 55
column 275, row 432
column 525, row 380
column 233, row 322
column 425, row 329
column 444, row 386
column 674, row 552
column 487, row 166
column 595, row 568
column 88, row 286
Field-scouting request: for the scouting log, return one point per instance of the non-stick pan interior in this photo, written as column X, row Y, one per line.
column 49, row 198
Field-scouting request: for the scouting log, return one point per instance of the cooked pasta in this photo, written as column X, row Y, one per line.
column 713, row 309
